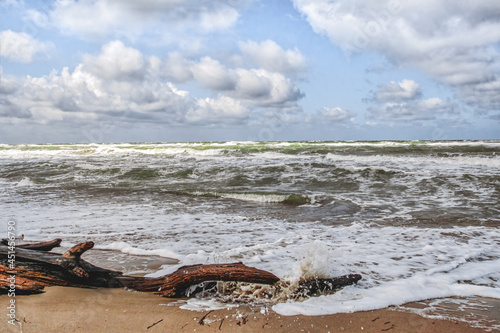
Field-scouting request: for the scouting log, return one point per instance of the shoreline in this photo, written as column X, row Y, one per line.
column 64, row 309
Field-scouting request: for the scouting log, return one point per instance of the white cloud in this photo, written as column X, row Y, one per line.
column 486, row 95
column 273, row 57
column 116, row 62
column 72, row 96
column 133, row 18
column 120, row 83
column 428, row 109
column 266, row 89
column 8, row 84
column 221, row 110
column 334, row 115
column 20, row 47
column 403, row 101
column 454, row 42
column 220, row 16
column 271, row 121
column 213, row 75
column 176, row 67
column 391, row 26
column 256, row 87
column 398, row 91
column 254, row 84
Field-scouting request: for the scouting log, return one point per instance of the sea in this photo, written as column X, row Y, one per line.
column 419, row 220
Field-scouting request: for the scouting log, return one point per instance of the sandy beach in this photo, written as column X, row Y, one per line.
column 62, row 309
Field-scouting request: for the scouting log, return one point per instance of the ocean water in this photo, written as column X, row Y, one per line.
column 418, row 220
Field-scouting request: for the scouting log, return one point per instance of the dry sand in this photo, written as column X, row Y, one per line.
column 63, row 309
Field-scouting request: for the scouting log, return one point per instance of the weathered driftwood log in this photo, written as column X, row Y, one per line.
column 175, row 284
column 17, row 285
column 317, row 286
column 35, row 269
column 39, row 268
column 41, row 246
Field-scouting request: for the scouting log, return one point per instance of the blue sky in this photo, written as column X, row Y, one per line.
column 185, row 70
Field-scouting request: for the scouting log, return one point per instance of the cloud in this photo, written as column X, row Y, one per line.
column 20, row 47
column 8, row 84
column 456, row 43
column 176, row 67
column 132, row 19
column 334, row 115
column 398, row 91
column 428, row 109
column 272, row 57
column 271, row 121
column 116, row 62
column 403, row 101
column 81, row 96
column 10, row 3
column 122, row 85
column 266, row 89
column 223, row 109
column 257, row 87
column 12, row 111
column 211, row 74
column 486, row 95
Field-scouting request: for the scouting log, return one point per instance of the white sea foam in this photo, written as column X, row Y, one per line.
column 261, row 197
column 88, row 166
column 412, row 161
column 26, row 181
column 404, row 264
column 397, row 292
column 201, row 305
column 127, row 248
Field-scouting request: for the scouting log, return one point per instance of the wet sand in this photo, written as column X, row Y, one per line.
column 62, row 309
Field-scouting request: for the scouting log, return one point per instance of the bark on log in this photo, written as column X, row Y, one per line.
column 176, row 284
column 41, row 246
column 18, row 283
column 321, row 286
column 54, row 269
column 35, row 269
column 77, row 250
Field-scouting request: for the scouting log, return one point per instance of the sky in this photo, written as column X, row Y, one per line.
column 248, row 70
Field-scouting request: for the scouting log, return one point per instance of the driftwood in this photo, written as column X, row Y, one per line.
column 34, row 268
column 41, row 246
column 316, row 286
column 176, row 284
column 38, row 269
